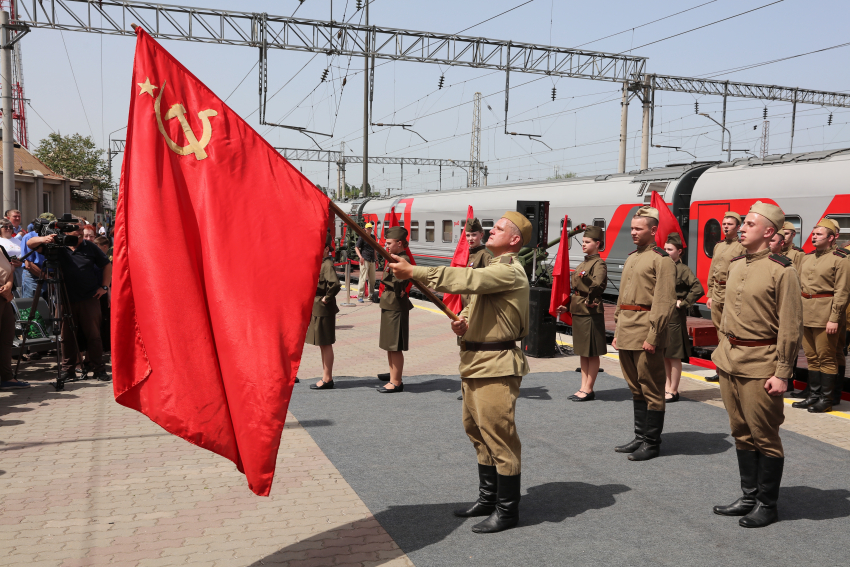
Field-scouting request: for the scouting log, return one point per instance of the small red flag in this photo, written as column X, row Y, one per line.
column 561, row 278
column 459, row 260
column 394, row 222
column 204, row 356
column 667, row 223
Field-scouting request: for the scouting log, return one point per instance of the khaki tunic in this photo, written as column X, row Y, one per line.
column 395, row 312
column 322, row 329
column 498, row 311
column 479, row 257
column 588, row 282
column 648, row 280
column 688, row 292
column 717, row 275
column 824, row 272
column 763, row 303
column 795, row 254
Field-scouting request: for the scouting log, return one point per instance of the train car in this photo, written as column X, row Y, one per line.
column 807, row 186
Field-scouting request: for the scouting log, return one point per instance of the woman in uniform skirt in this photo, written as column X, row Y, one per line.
column 688, row 291
column 588, row 282
column 322, row 329
column 395, row 313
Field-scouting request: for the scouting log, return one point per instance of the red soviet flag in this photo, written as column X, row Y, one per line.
column 202, row 350
column 667, row 223
column 561, row 278
column 459, row 260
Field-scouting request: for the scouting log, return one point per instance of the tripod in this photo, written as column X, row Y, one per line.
column 60, row 304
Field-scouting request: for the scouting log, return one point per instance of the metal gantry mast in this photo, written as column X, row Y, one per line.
column 475, row 144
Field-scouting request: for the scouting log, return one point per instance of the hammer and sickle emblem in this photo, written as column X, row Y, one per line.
column 177, row 111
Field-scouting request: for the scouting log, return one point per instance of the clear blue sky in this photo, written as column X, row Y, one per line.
column 584, row 139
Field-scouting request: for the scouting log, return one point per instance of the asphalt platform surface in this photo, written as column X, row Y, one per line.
column 407, row 457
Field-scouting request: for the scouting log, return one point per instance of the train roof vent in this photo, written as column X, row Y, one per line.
column 813, row 156
column 602, row 177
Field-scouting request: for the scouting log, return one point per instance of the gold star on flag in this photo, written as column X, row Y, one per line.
column 147, row 87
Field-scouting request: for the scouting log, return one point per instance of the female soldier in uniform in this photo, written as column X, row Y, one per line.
column 688, row 291
column 322, row 329
column 588, row 282
column 395, row 313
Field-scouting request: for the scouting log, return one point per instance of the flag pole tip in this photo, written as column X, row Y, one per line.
column 134, row 26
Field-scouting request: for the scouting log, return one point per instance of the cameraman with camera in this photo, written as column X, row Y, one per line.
column 80, row 262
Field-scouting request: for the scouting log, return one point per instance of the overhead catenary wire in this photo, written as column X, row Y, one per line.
column 62, row 35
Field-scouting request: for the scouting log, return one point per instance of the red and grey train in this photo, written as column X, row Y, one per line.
column 807, row 186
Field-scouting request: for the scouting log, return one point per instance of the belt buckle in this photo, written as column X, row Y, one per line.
column 462, row 344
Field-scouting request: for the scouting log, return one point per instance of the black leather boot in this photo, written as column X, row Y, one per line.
column 748, row 466
column 486, row 502
column 640, row 427
column 764, row 512
column 814, row 391
column 651, row 446
column 714, row 378
column 802, row 394
column 839, row 386
column 824, row 404
column 506, row 514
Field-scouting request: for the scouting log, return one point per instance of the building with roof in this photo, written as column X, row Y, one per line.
column 38, row 189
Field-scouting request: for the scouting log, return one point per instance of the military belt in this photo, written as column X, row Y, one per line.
column 489, row 347
column 636, row 307
column 721, row 282
column 750, row 343
column 319, row 293
column 817, row 295
column 581, row 293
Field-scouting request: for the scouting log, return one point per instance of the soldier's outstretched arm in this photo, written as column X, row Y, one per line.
column 492, row 279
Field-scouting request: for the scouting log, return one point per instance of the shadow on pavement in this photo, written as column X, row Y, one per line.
column 554, row 502
column 694, row 443
column 614, row 395
column 807, row 503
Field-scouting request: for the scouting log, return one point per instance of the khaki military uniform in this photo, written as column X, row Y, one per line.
column 588, row 283
column 795, row 254
column 761, row 332
column 395, row 312
column 644, row 307
column 842, row 326
column 491, row 362
column 717, row 273
column 322, row 329
column 479, row 257
column 824, row 280
column 688, row 291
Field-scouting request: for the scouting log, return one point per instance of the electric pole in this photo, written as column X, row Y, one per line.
column 8, row 131
column 366, row 108
column 765, row 140
column 475, row 147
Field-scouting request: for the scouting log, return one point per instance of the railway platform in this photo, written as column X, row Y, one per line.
column 366, row 479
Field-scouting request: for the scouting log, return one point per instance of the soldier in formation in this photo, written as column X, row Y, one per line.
column 824, row 279
column 794, row 253
column 688, row 292
column 645, row 304
column 395, row 312
column 491, row 364
column 722, row 255
column 761, row 331
column 322, row 329
column 588, row 283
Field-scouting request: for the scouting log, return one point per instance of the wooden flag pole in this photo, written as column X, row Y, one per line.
column 380, row 249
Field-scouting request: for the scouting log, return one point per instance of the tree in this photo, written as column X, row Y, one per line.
column 567, row 175
column 76, row 157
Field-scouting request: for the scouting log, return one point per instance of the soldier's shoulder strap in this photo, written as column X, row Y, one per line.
column 812, row 252
column 738, row 257
column 841, row 252
column 660, row 251
column 632, row 252
column 784, row 261
column 798, row 249
column 506, row 259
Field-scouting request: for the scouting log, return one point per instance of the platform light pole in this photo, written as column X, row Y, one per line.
column 8, row 131
column 366, row 107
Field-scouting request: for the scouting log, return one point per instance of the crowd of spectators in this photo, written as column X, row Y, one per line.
column 87, row 270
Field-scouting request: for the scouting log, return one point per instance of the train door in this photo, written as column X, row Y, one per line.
column 709, row 233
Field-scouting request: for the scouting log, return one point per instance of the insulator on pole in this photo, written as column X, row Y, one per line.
column 359, row 4
column 696, row 108
column 829, row 120
column 440, row 84
column 553, row 93
column 325, row 74
column 764, row 113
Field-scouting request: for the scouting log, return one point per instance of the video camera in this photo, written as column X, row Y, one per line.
column 67, row 223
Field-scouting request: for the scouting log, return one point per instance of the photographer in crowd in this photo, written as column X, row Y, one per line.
column 34, row 261
column 87, row 273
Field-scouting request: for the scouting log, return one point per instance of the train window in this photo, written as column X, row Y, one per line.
column 659, row 187
column 569, row 228
column 429, row 231
column 843, row 228
column 711, row 235
column 414, row 230
column 447, row 231
column 641, row 189
column 798, row 225
column 486, row 224
column 601, row 224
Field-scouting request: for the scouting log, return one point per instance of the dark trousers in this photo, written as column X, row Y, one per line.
column 87, row 319
column 7, row 335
